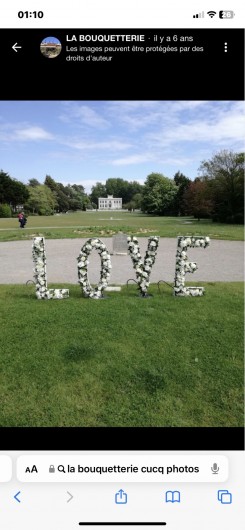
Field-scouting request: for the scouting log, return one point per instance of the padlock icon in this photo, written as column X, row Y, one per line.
column 51, row 469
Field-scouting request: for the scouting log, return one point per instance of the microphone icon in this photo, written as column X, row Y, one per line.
column 215, row 469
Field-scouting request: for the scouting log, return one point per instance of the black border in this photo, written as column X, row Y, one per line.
column 122, row 438
column 211, row 75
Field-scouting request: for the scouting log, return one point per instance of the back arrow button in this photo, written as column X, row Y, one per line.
column 16, row 496
column 15, row 47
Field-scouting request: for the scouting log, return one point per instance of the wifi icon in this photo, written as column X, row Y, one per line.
column 211, row 13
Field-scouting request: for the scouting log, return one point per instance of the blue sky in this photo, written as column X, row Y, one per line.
column 51, row 39
column 85, row 142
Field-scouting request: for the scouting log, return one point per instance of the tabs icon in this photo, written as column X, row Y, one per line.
column 224, row 496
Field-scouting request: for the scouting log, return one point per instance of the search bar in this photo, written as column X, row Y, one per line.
column 116, row 468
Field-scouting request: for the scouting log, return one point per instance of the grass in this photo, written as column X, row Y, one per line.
column 122, row 361
column 106, row 224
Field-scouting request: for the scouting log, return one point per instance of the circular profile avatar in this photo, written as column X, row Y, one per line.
column 50, row 47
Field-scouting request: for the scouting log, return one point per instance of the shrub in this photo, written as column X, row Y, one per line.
column 5, row 210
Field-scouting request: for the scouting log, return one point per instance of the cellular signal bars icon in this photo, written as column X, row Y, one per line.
column 199, row 15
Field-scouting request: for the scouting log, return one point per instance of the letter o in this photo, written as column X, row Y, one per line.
column 93, row 243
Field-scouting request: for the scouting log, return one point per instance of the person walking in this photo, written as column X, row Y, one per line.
column 23, row 220
column 20, row 217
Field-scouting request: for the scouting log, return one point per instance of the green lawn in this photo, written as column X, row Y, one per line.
column 122, row 361
column 106, row 224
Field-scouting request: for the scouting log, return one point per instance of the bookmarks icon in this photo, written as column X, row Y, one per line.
column 172, row 496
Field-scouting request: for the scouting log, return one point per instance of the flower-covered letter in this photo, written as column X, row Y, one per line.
column 83, row 262
column 40, row 273
column 143, row 269
column 183, row 265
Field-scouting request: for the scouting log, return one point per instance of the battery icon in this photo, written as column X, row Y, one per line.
column 226, row 14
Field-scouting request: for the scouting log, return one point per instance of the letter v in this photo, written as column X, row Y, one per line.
column 143, row 269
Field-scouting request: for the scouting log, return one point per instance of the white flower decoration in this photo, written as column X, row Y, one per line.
column 183, row 265
column 94, row 243
column 143, row 268
column 40, row 273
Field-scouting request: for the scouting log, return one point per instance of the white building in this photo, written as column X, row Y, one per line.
column 110, row 203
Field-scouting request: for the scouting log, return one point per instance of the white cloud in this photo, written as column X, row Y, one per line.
column 177, row 161
column 32, row 133
column 113, row 145
column 223, row 128
column 10, row 132
column 137, row 115
column 83, row 115
column 132, row 159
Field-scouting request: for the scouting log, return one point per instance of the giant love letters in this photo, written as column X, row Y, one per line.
column 40, row 273
column 183, row 265
column 142, row 268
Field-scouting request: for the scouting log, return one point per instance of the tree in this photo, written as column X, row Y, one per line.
column 70, row 197
column 123, row 189
column 19, row 194
column 183, row 183
column 225, row 175
column 137, row 199
column 33, row 183
column 197, row 200
column 41, row 200
column 134, row 192
column 62, row 200
column 59, row 194
column 135, row 203
column 50, row 183
column 180, row 179
column 99, row 190
column 12, row 191
column 158, row 195
column 117, row 187
column 76, row 195
column 78, row 188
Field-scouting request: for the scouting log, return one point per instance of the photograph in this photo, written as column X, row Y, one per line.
column 121, row 279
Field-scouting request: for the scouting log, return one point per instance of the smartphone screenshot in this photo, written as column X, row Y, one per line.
column 121, row 280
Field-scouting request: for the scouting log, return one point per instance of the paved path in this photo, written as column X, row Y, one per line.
column 221, row 261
